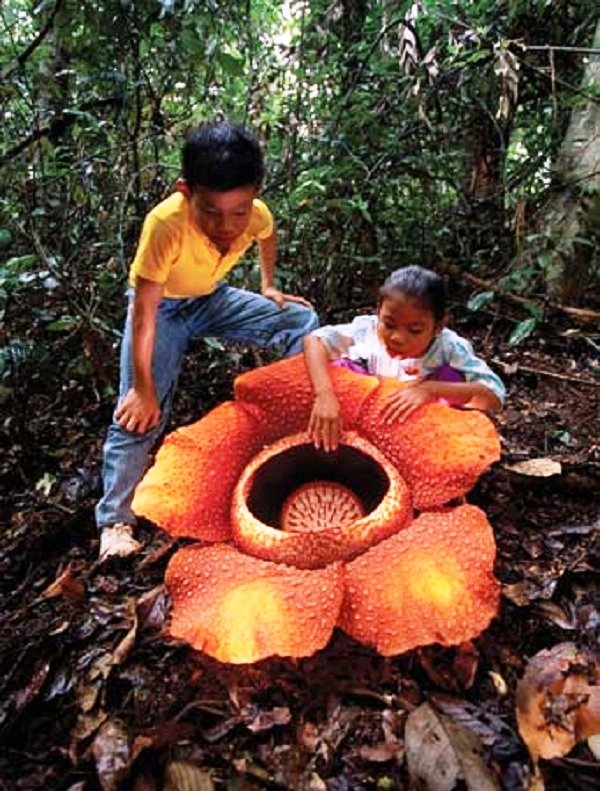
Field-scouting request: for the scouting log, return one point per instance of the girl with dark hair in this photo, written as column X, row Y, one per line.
column 406, row 340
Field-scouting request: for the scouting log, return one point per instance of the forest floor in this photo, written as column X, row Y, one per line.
column 95, row 695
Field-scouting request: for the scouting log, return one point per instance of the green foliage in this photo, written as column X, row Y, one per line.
column 522, row 330
column 481, row 300
column 395, row 133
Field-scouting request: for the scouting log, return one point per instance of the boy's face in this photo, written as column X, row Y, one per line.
column 222, row 216
column 405, row 326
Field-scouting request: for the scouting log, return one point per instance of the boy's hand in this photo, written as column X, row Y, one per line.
column 138, row 412
column 280, row 298
column 325, row 424
column 401, row 404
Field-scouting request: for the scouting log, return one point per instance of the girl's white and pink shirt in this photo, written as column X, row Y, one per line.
column 358, row 341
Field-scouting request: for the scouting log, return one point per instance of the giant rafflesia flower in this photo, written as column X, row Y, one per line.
column 293, row 541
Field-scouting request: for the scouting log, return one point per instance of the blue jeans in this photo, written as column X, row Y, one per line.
column 228, row 313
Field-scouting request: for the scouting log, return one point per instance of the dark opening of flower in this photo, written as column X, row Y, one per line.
column 303, row 489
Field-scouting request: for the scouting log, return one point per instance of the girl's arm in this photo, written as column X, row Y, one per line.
column 470, row 394
column 139, row 410
column 409, row 398
column 325, row 424
column 267, row 255
column 482, row 388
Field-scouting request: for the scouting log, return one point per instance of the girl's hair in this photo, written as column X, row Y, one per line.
column 421, row 284
column 222, row 157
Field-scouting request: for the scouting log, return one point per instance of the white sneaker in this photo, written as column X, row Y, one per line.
column 117, row 541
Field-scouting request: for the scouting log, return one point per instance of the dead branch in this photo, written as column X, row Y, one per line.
column 542, row 372
column 58, row 125
column 33, row 45
column 583, row 315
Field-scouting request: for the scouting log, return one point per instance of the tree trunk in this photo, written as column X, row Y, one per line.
column 568, row 225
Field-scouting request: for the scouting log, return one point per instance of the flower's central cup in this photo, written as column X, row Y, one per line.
column 298, row 505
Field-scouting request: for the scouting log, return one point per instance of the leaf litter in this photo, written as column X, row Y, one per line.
column 95, row 695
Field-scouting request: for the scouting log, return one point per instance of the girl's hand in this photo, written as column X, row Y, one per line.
column 401, row 404
column 325, row 424
column 138, row 411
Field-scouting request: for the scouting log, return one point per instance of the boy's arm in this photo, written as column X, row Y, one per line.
column 325, row 424
column 139, row 410
column 267, row 255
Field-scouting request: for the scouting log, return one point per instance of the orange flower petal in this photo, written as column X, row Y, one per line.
column 239, row 609
column 188, row 489
column 264, row 488
column 283, row 391
column 440, row 451
column 431, row 583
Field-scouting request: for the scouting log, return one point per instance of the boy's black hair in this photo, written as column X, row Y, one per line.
column 422, row 284
column 222, row 157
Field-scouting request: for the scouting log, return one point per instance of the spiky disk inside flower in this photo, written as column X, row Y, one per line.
column 439, row 450
column 431, row 583
column 320, row 505
column 284, row 467
column 240, row 609
column 283, row 391
column 188, row 489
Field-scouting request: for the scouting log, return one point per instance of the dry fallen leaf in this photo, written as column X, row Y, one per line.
column 186, row 776
column 125, row 646
column 440, row 752
column 65, row 585
column 524, row 592
column 112, row 754
column 152, row 608
column 536, row 468
column 499, row 683
column 266, row 719
column 308, row 736
column 382, row 752
column 594, row 745
column 24, row 696
column 316, row 783
column 558, row 700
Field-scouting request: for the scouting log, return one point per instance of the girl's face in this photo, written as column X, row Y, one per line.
column 405, row 326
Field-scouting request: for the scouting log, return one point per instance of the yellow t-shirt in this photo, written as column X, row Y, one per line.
column 172, row 249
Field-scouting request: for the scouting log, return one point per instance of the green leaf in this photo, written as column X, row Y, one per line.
column 62, row 324
column 537, row 311
column 82, row 368
column 231, row 64
column 362, row 207
column 522, row 330
column 5, row 237
column 21, row 263
column 561, row 435
column 480, row 300
column 474, row 57
column 214, row 343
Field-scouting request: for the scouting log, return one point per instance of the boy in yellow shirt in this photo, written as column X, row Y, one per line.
column 188, row 244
